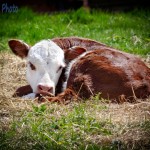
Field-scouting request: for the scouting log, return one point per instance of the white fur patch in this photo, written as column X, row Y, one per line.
column 29, row 96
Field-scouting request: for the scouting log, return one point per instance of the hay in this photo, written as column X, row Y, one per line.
column 12, row 75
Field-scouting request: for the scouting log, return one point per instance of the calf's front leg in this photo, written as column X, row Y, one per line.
column 23, row 91
column 65, row 97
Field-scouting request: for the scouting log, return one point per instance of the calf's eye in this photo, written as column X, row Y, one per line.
column 60, row 67
column 32, row 66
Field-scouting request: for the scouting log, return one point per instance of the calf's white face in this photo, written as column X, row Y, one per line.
column 45, row 61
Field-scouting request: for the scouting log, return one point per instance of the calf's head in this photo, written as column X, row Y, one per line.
column 45, row 61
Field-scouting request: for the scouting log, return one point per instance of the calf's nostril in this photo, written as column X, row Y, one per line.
column 42, row 88
column 50, row 90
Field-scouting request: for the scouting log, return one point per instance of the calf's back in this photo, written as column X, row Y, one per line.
column 117, row 76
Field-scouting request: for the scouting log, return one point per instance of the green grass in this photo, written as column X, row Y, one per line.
column 44, row 129
column 125, row 31
column 76, row 126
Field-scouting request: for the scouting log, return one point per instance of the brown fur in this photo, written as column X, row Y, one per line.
column 65, row 97
column 69, row 42
column 24, row 90
column 113, row 74
column 19, row 48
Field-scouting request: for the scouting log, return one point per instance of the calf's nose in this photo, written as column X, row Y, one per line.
column 44, row 88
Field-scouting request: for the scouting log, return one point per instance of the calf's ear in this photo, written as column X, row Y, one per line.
column 19, row 48
column 74, row 52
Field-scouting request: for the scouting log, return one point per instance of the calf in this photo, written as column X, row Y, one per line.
column 92, row 67
column 45, row 61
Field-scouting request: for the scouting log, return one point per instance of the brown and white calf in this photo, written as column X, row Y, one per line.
column 90, row 67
